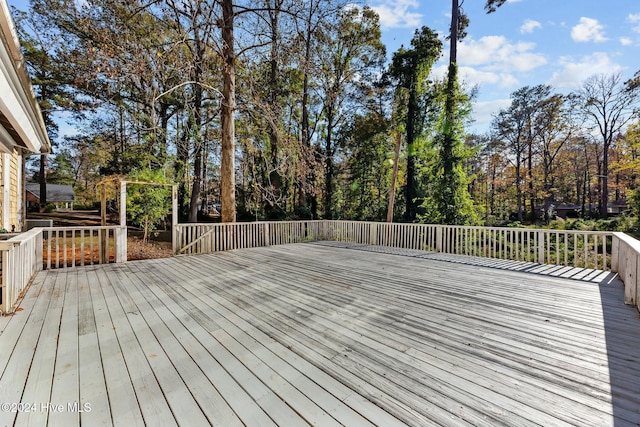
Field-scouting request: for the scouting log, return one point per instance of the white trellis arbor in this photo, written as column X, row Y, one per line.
column 123, row 205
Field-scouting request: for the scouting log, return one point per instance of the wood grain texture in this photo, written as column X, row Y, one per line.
column 327, row 333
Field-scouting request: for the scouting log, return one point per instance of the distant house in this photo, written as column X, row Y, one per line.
column 60, row 195
column 22, row 128
column 565, row 211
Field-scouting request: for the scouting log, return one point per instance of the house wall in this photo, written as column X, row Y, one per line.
column 17, row 192
column 12, row 203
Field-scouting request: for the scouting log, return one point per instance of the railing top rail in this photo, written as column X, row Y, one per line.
column 7, row 236
column 406, row 224
column 23, row 237
column 221, row 224
column 632, row 242
column 523, row 229
column 86, row 228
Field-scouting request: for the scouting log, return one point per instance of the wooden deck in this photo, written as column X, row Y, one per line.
column 324, row 335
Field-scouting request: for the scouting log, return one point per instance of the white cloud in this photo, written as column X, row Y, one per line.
column 398, row 14
column 529, row 26
column 635, row 19
column 483, row 112
column 498, row 54
column 574, row 72
column 588, row 29
column 626, row 41
column 492, row 60
column 476, row 76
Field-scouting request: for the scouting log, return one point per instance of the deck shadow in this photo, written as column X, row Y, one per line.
column 565, row 272
column 622, row 336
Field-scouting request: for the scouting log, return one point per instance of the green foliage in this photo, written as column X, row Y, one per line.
column 415, row 105
column 62, row 169
column 492, row 5
column 369, row 165
column 558, row 224
column 450, row 202
column 148, row 204
column 623, row 223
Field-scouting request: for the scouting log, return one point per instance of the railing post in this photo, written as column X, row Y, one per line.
column 267, row 241
column 120, row 239
column 439, row 238
column 615, row 252
column 4, row 276
column 174, row 219
column 540, row 247
column 38, row 251
column 373, row 233
column 630, row 278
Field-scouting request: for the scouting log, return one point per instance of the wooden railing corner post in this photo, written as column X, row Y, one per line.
column 121, row 244
column 39, row 250
column 439, row 234
column 615, row 252
column 5, row 277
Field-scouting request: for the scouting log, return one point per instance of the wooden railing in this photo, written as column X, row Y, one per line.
column 77, row 246
column 207, row 238
column 583, row 249
column 21, row 259
column 58, row 247
column 615, row 252
column 626, row 261
column 55, row 247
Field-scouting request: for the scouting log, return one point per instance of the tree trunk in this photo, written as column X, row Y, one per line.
column 492, row 197
column 453, row 47
column 532, row 199
column 275, row 176
column 584, row 195
column 448, row 140
column 43, row 182
column 604, row 195
column 394, row 178
column 328, row 192
column 181, row 171
column 227, row 170
column 310, row 175
column 411, row 192
column 518, row 188
column 198, row 142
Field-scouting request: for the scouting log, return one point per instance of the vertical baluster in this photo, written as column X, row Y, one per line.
column 58, row 249
column 605, row 264
column 586, row 249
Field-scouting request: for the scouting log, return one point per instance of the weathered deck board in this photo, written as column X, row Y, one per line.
column 323, row 334
column 123, row 403
column 93, row 388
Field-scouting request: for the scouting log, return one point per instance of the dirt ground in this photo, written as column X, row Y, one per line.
column 137, row 249
column 158, row 247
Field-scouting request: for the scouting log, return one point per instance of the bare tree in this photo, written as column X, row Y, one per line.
column 608, row 104
column 227, row 169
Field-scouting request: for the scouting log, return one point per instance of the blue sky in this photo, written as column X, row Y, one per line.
column 525, row 42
